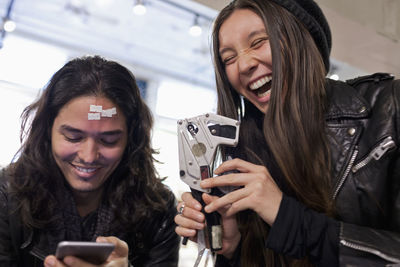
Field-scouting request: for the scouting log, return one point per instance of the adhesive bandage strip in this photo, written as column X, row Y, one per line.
column 108, row 112
column 93, row 116
column 96, row 112
column 94, row 108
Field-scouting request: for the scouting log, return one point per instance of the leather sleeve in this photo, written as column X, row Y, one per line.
column 165, row 252
column 364, row 246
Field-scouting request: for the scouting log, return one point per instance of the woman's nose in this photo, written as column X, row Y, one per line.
column 247, row 62
column 89, row 151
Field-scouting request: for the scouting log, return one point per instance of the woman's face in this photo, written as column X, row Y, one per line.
column 246, row 53
column 88, row 151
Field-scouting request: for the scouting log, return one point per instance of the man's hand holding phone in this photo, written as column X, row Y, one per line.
column 106, row 251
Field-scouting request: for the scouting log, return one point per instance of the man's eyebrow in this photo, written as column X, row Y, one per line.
column 75, row 130
column 68, row 128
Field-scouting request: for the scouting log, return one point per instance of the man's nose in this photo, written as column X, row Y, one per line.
column 89, row 151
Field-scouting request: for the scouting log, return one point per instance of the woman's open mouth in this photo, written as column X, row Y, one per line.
column 262, row 87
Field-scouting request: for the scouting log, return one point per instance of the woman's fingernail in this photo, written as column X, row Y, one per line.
column 199, row 226
column 206, row 208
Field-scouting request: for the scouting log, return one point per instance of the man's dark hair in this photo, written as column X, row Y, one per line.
column 133, row 191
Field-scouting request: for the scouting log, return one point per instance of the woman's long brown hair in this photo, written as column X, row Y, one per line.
column 293, row 127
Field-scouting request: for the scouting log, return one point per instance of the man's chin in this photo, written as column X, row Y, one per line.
column 86, row 189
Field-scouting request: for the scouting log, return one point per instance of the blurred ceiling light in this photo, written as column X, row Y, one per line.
column 139, row 8
column 9, row 25
column 195, row 30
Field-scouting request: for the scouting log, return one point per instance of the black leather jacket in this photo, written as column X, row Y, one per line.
column 155, row 246
column 364, row 128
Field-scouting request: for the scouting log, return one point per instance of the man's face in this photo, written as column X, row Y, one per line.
column 88, row 151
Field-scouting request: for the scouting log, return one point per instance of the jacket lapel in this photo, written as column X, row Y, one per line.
column 346, row 109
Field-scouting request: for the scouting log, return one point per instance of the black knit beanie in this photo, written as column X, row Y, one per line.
column 309, row 13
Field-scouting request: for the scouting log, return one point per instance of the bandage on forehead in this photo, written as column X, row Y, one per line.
column 94, row 108
column 96, row 112
column 108, row 112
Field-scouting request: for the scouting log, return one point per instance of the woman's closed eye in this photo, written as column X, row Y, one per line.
column 259, row 42
column 228, row 59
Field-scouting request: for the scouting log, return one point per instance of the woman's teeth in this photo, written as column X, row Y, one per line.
column 260, row 87
column 256, row 85
column 262, row 94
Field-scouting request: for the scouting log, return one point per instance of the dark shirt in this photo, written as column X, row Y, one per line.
column 299, row 231
column 88, row 226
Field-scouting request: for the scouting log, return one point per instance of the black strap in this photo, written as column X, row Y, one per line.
column 376, row 78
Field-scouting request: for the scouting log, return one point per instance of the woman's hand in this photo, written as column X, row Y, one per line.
column 230, row 232
column 192, row 219
column 118, row 258
column 258, row 191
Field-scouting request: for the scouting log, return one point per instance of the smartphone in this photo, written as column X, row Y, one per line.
column 92, row 252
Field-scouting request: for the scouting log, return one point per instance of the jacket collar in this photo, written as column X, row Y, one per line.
column 344, row 101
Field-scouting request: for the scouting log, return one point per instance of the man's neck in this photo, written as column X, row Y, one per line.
column 86, row 202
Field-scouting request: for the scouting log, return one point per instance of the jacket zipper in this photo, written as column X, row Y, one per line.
column 345, row 174
column 376, row 153
column 369, row 250
column 38, row 255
